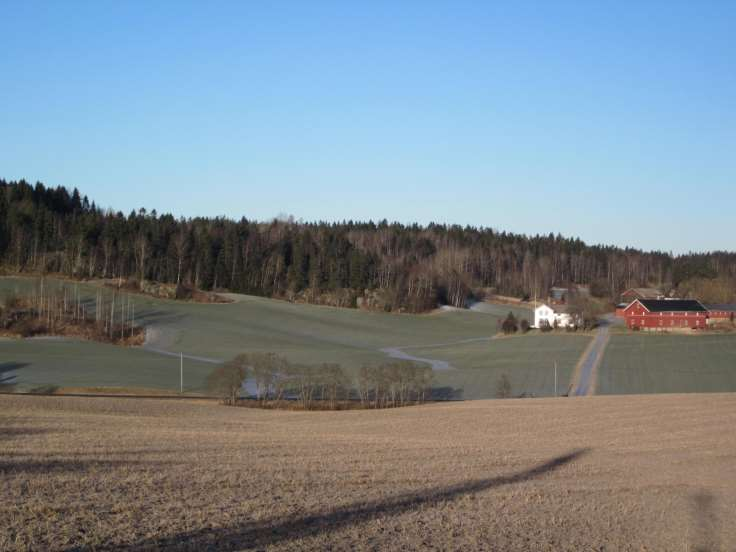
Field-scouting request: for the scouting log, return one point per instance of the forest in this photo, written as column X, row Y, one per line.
column 384, row 265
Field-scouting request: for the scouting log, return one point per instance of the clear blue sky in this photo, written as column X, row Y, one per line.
column 614, row 122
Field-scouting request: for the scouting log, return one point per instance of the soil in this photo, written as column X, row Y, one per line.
column 625, row 473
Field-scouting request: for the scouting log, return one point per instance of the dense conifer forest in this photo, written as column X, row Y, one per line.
column 52, row 230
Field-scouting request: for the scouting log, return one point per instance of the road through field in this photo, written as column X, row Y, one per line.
column 585, row 384
column 401, row 354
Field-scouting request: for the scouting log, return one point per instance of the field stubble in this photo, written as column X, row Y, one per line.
column 603, row 473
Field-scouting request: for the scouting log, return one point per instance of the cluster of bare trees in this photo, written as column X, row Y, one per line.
column 274, row 379
column 60, row 308
column 395, row 383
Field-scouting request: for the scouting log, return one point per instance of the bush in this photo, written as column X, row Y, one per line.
column 524, row 325
column 27, row 327
column 503, row 387
column 510, row 325
column 10, row 302
column 227, row 380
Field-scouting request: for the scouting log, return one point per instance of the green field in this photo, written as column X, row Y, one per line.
column 644, row 363
column 528, row 362
column 303, row 333
column 38, row 363
column 639, row 363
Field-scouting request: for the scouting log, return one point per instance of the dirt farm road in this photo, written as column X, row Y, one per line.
column 587, row 372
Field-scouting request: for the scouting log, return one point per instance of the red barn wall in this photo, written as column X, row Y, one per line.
column 638, row 317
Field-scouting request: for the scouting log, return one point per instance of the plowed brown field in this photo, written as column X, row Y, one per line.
column 594, row 473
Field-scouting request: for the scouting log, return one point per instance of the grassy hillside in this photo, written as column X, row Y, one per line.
column 542, row 475
column 303, row 333
column 651, row 363
column 312, row 334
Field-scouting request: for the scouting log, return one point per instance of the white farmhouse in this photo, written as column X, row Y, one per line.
column 544, row 314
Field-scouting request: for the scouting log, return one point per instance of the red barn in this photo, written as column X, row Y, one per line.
column 664, row 314
column 718, row 314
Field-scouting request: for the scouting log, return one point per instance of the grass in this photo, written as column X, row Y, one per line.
column 528, row 362
column 634, row 363
column 32, row 363
column 549, row 474
column 669, row 363
column 303, row 333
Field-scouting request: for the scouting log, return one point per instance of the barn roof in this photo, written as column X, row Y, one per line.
column 672, row 305
column 730, row 307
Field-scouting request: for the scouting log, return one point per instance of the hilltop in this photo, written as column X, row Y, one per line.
column 373, row 265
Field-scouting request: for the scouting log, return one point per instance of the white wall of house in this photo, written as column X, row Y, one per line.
column 546, row 313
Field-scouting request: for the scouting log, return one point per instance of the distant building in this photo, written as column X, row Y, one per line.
column 562, row 295
column 641, row 293
column 558, row 294
column 665, row 314
column 545, row 314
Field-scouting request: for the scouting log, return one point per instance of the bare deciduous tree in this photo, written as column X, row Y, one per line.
column 227, row 380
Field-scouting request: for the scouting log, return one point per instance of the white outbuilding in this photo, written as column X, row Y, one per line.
column 544, row 314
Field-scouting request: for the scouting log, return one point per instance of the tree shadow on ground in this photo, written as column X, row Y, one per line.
column 263, row 534
column 14, row 432
column 10, row 468
column 705, row 532
column 8, row 379
column 155, row 316
column 100, row 455
column 446, row 393
column 6, row 368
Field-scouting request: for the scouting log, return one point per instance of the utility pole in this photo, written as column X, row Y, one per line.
column 181, row 373
column 555, row 378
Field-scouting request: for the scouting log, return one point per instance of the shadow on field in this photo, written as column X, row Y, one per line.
column 153, row 316
column 47, row 467
column 263, row 534
column 96, row 456
column 7, row 382
column 446, row 393
column 13, row 432
column 706, row 523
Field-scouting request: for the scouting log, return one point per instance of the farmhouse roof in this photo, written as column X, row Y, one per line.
column 672, row 305
column 644, row 292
